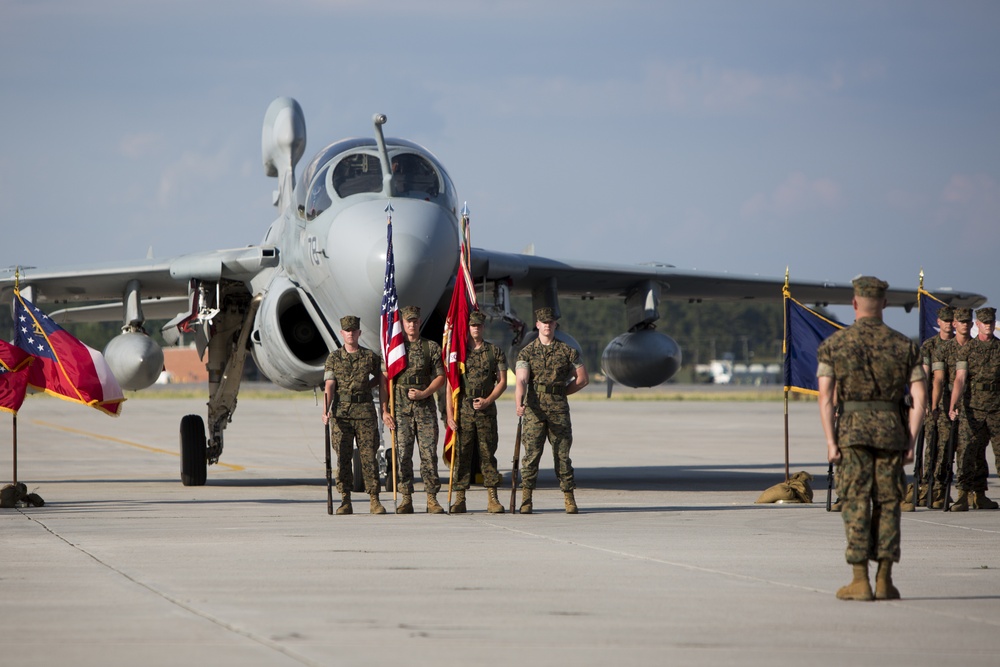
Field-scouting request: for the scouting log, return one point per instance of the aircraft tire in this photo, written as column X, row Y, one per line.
column 359, row 478
column 194, row 455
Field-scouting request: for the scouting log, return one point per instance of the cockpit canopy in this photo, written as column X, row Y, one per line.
column 353, row 167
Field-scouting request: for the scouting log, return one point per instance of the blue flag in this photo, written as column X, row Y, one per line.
column 928, row 306
column 805, row 329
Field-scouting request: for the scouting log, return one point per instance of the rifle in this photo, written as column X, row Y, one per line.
column 918, row 464
column 513, row 472
column 329, row 464
column 829, row 471
column 829, row 488
column 930, row 445
column 949, row 452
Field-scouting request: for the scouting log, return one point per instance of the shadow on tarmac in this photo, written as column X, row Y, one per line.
column 628, row 478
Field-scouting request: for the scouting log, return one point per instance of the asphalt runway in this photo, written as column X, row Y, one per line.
column 669, row 561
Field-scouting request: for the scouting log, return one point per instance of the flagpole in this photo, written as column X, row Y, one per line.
column 15, row 448
column 920, row 306
column 454, row 455
column 784, row 349
column 392, row 413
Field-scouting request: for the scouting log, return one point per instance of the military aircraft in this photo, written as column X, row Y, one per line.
column 324, row 257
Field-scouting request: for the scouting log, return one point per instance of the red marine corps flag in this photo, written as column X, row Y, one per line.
column 456, row 332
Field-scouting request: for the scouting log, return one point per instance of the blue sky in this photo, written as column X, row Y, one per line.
column 832, row 138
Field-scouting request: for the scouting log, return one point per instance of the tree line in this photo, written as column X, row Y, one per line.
column 746, row 331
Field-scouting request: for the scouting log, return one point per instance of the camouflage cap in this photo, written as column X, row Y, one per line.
column 986, row 315
column 963, row 314
column 476, row 317
column 546, row 315
column 411, row 313
column 946, row 314
column 870, row 286
column 350, row 323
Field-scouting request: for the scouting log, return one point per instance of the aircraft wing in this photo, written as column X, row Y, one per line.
column 162, row 281
column 526, row 272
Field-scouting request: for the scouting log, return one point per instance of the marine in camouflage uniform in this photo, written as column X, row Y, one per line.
column 416, row 413
column 547, row 372
column 349, row 374
column 936, row 421
column 943, row 367
column 865, row 369
column 484, row 380
column 977, row 388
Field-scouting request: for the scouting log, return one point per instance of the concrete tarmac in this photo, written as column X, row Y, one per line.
column 669, row 561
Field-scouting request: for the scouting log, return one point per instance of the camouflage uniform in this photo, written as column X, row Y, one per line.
column 546, row 413
column 418, row 419
column 936, row 422
column 981, row 399
column 483, row 367
column 872, row 366
column 355, row 415
column 946, row 360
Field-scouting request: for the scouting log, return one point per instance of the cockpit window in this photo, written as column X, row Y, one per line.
column 357, row 173
column 317, row 199
column 413, row 176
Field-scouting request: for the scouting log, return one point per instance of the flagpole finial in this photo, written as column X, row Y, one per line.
column 921, row 277
column 17, row 275
column 465, row 210
column 389, row 209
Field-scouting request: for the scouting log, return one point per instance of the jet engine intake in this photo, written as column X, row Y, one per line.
column 286, row 343
column 642, row 358
column 135, row 359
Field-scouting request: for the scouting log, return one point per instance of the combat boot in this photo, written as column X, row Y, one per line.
column 458, row 507
column 345, row 504
column 884, row 590
column 571, row 507
column 961, row 503
column 494, row 506
column 526, row 501
column 922, row 496
column 405, row 506
column 937, row 499
column 433, row 506
column 859, row 588
column 376, row 505
column 906, row 505
column 981, row 502
column 836, row 505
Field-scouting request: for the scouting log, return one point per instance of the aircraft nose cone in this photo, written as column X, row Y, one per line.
column 425, row 249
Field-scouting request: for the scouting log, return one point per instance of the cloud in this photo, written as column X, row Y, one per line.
column 191, row 174
column 139, row 145
column 655, row 88
column 970, row 206
column 797, row 194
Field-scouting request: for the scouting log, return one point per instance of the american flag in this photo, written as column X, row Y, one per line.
column 391, row 329
column 64, row 366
